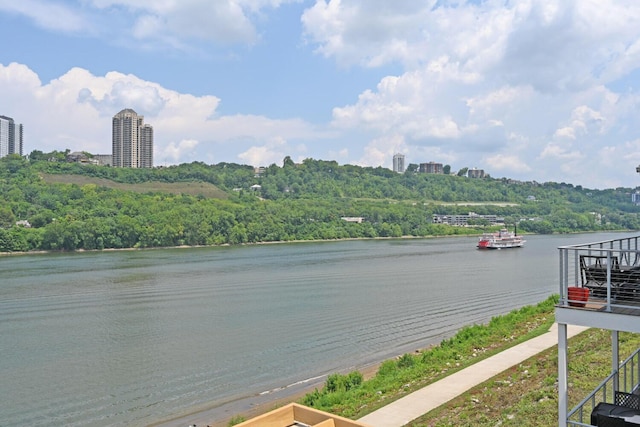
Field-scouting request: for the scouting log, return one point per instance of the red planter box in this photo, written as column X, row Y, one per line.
column 578, row 297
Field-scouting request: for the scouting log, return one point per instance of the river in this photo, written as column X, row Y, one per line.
column 141, row 337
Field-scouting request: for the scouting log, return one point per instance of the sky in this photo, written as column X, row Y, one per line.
column 533, row 90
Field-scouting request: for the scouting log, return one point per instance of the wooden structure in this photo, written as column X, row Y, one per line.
column 295, row 415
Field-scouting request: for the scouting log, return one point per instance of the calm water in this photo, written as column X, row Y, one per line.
column 137, row 337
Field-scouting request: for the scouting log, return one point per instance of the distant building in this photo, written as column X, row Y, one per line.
column 635, row 198
column 398, row 163
column 463, row 220
column 357, row 219
column 132, row 141
column 80, row 157
column 104, row 159
column 475, row 173
column 146, row 146
column 11, row 137
column 431, row 167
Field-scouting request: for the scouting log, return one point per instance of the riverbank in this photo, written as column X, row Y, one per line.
column 391, row 379
column 279, row 242
column 221, row 416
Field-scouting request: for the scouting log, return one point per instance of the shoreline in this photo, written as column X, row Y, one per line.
column 281, row 242
column 253, row 406
column 278, row 242
column 261, row 403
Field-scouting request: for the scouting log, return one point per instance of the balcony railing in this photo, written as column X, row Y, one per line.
column 609, row 269
column 619, row 388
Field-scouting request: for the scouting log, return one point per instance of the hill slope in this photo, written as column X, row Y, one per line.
column 72, row 206
column 193, row 188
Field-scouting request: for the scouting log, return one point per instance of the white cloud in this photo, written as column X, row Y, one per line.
column 408, row 104
column 525, row 86
column 584, row 120
column 555, row 151
column 380, row 151
column 117, row 90
column 506, row 163
column 373, row 33
column 496, row 102
column 220, row 21
column 174, row 22
column 52, row 16
column 16, row 79
column 156, row 24
column 264, row 155
column 370, row 33
column 341, row 155
column 550, row 44
column 176, row 151
column 74, row 111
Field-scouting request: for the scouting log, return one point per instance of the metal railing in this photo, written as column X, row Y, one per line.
column 609, row 269
column 625, row 380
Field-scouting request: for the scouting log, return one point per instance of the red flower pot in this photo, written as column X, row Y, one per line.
column 578, row 297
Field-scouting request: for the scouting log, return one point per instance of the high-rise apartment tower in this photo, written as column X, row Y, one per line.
column 11, row 135
column 398, row 163
column 132, row 141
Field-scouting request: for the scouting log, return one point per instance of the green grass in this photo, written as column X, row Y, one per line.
column 195, row 188
column 526, row 395
column 397, row 378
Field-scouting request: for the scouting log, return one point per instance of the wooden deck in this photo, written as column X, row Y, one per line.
column 628, row 308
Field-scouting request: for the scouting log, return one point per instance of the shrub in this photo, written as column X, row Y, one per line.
column 354, row 380
column 406, row 361
column 236, row 420
column 310, row 399
column 338, row 382
column 387, row 368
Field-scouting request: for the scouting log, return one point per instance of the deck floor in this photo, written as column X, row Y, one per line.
column 629, row 308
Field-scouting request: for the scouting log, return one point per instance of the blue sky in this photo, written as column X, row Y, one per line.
column 544, row 90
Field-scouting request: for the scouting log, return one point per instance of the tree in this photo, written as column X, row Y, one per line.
column 6, row 241
column 481, row 222
column 463, row 171
column 7, row 218
column 36, row 155
column 446, row 169
column 13, row 163
column 287, row 162
column 301, row 202
column 412, row 168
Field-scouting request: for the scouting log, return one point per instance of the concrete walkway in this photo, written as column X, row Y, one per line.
column 410, row 407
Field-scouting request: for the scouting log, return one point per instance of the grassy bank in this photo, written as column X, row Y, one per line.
column 350, row 396
column 527, row 395
column 194, row 188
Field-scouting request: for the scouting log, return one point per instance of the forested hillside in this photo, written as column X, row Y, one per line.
column 72, row 206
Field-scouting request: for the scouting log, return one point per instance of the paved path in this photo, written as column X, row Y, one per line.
column 410, row 407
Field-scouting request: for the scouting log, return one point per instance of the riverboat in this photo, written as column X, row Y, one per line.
column 502, row 239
